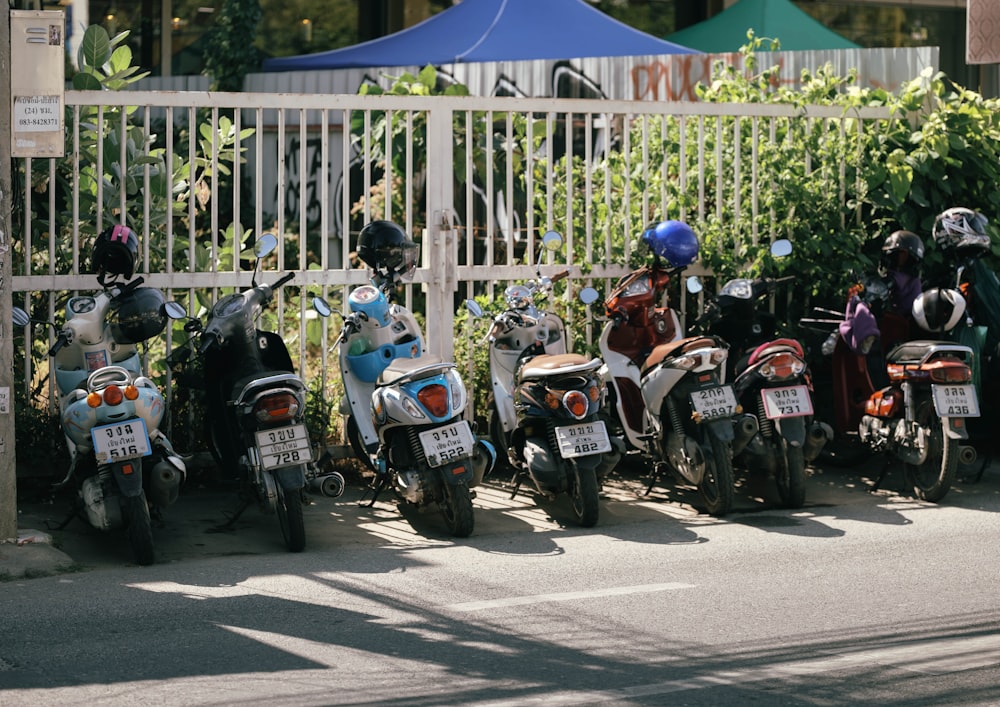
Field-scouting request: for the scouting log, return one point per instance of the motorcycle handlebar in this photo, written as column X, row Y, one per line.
column 559, row 276
column 281, row 281
column 208, row 340
column 61, row 341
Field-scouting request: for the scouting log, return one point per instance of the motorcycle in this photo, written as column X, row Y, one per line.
column 770, row 378
column 546, row 402
column 403, row 408
column 254, row 400
column 122, row 466
column 917, row 412
column 668, row 400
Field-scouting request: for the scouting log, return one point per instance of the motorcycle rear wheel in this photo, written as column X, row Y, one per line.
column 717, row 484
column 586, row 497
column 289, row 511
column 357, row 443
column 140, row 528
column 457, row 510
column 790, row 474
column 932, row 480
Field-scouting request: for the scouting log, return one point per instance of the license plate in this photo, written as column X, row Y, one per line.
column 120, row 441
column 448, row 443
column 711, row 403
column 793, row 401
column 284, row 446
column 583, row 439
column 955, row 400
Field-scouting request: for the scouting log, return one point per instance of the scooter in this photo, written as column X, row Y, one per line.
column 918, row 416
column 121, row 463
column 254, row 400
column 403, row 408
column 771, row 379
column 545, row 405
column 668, row 399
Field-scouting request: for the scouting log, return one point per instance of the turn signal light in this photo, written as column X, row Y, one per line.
column 577, row 403
column 94, row 400
column 277, row 407
column 113, row 395
column 131, row 392
column 435, row 398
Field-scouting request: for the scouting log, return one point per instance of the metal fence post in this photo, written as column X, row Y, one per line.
column 441, row 246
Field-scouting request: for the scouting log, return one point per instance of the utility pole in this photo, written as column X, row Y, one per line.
column 8, row 468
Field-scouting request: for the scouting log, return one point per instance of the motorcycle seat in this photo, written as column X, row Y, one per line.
column 776, row 346
column 913, row 352
column 678, row 348
column 412, row 369
column 557, row 364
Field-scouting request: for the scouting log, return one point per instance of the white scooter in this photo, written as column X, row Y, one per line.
column 121, row 463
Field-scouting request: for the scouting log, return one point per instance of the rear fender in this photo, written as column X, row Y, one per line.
column 792, row 429
column 721, row 428
column 457, row 472
column 128, row 476
column 955, row 427
column 290, row 477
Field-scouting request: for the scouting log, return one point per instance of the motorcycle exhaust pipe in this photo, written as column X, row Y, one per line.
column 967, row 454
column 330, row 485
column 165, row 484
column 744, row 428
column 818, row 434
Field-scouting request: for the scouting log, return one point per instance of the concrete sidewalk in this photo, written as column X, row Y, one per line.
column 32, row 555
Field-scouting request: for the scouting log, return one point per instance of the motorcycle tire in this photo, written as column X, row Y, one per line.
column 586, row 497
column 717, row 484
column 932, row 480
column 139, row 528
column 790, row 474
column 289, row 511
column 494, row 428
column 457, row 510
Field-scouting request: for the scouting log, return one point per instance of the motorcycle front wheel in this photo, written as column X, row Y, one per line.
column 932, row 480
column 140, row 528
column 289, row 510
column 717, row 484
column 790, row 474
column 586, row 497
column 457, row 510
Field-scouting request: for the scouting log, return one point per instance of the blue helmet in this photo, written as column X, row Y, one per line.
column 674, row 241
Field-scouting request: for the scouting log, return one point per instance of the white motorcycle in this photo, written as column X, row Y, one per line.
column 403, row 408
column 546, row 401
column 121, row 462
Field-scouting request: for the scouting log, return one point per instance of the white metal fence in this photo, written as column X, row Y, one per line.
column 454, row 171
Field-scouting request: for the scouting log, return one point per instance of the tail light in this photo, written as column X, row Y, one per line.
column 951, row 374
column 113, row 395
column 276, row 408
column 435, row 398
column 131, row 392
column 576, row 403
column 782, row 365
column 94, row 400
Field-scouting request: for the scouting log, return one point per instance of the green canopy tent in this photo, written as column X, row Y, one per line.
column 774, row 19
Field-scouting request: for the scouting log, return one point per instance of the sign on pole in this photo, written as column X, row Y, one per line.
column 37, row 82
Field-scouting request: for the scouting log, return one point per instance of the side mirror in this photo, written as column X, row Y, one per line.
column 321, row 306
column 474, row 309
column 20, row 317
column 552, row 241
column 265, row 245
column 588, row 295
column 175, row 310
column 781, row 247
column 693, row 284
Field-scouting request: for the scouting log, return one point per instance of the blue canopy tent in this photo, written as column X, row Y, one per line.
column 490, row 31
column 795, row 29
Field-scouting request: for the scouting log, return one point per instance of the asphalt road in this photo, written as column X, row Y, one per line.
column 858, row 598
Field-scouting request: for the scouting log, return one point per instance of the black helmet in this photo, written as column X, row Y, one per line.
column 962, row 229
column 137, row 315
column 903, row 251
column 938, row 310
column 387, row 249
column 115, row 253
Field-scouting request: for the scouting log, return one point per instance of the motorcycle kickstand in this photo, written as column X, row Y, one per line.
column 75, row 508
column 516, row 480
column 885, row 470
column 375, row 487
column 243, row 502
column 654, row 475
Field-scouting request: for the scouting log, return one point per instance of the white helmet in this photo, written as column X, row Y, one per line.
column 938, row 310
